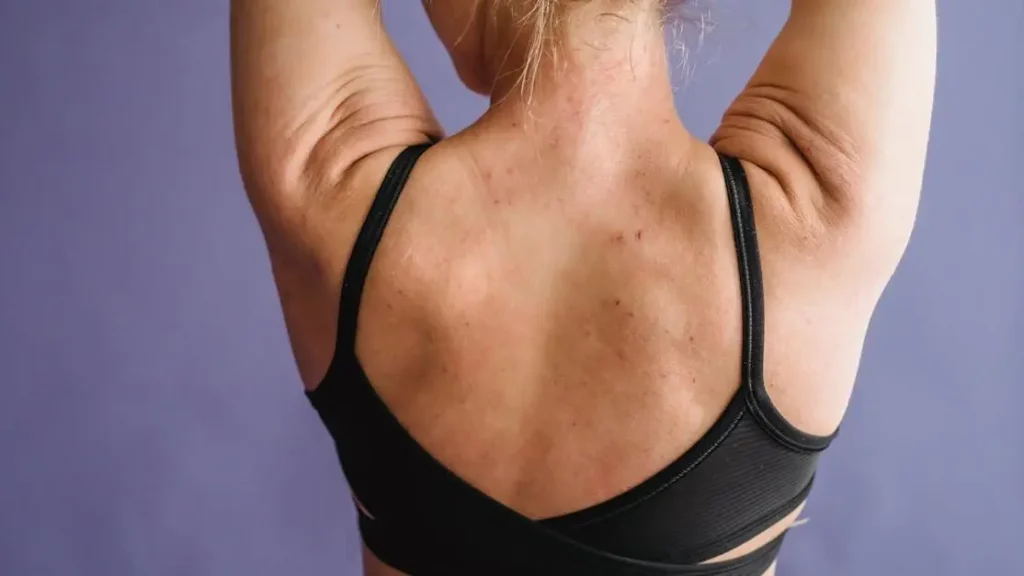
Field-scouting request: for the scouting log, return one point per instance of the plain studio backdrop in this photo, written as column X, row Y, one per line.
column 151, row 418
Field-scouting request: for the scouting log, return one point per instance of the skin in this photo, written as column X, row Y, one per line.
column 554, row 311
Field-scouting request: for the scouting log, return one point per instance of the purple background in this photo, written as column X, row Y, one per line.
column 151, row 420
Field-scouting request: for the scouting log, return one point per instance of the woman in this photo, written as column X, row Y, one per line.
column 573, row 354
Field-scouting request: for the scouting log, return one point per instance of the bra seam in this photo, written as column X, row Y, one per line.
column 745, row 533
column 667, row 484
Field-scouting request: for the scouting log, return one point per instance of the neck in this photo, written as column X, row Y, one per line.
column 599, row 53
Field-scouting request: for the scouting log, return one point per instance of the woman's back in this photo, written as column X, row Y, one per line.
column 556, row 343
column 556, row 310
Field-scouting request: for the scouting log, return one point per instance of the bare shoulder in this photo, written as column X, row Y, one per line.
column 309, row 245
column 822, row 279
column 819, row 293
column 433, row 223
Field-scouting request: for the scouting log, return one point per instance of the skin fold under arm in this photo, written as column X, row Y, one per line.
column 839, row 111
column 317, row 85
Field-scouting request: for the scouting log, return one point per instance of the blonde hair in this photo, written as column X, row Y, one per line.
column 544, row 18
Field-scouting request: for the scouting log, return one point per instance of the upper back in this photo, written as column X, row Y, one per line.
column 557, row 335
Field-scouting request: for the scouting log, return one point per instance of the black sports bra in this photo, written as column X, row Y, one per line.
column 748, row 472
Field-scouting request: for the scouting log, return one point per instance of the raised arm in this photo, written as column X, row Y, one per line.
column 838, row 116
column 317, row 86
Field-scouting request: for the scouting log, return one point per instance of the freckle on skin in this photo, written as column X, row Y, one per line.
column 639, row 234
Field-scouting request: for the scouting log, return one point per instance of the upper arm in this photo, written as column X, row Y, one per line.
column 838, row 115
column 317, row 86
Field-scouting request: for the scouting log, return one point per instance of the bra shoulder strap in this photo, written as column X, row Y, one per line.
column 366, row 245
column 752, row 291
